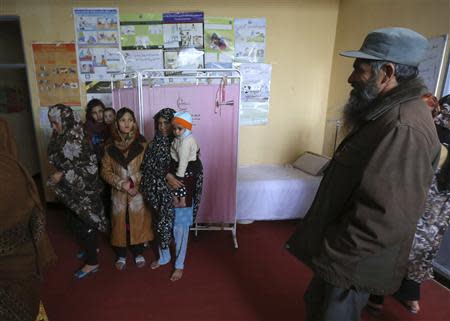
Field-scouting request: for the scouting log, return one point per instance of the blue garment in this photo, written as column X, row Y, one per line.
column 183, row 220
column 183, row 216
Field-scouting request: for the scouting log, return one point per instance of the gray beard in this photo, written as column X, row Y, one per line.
column 358, row 104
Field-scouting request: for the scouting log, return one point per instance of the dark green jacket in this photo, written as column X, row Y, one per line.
column 359, row 229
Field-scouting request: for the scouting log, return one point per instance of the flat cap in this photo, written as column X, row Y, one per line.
column 398, row 45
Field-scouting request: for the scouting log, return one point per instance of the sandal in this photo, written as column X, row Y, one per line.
column 121, row 263
column 140, row 261
column 412, row 306
column 81, row 274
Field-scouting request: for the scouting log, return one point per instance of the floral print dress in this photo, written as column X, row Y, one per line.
column 70, row 153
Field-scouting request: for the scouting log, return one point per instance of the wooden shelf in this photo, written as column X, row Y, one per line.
column 13, row 66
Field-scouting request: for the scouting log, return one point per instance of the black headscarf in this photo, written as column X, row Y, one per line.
column 153, row 184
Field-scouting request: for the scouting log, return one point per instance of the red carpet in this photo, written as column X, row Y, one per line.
column 259, row 281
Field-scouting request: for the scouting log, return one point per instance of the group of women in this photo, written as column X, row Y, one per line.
column 138, row 184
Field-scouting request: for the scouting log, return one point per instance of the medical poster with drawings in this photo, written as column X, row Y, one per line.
column 141, row 31
column 250, row 40
column 56, row 73
column 189, row 58
column 144, row 59
column 430, row 69
column 99, row 90
column 219, row 42
column 98, row 42
column 183, row 30
column 255, row 93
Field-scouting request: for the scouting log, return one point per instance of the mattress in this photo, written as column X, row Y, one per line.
column 274, row 192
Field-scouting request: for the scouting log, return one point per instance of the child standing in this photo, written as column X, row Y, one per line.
column 130, row 217
column 184, row 149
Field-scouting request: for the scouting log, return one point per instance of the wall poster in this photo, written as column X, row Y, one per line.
column 55, row 67
column 98, row 42
column 255, row 93
column 99, row 90
column 183, row 30
column 250, row 40
column 219, row 42
column 141, row 31
column 430, row 69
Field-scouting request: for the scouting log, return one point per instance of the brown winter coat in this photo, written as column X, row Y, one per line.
column 359, row 229
column 116, row 169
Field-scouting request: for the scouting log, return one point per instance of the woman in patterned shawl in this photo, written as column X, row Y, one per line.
column 431, row 226
column 76, row 181
column 25, row 250
column 156, row 187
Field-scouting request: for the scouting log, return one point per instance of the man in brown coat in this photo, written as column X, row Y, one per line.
column 358, row 232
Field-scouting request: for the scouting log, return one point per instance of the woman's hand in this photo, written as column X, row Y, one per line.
column 56, row 177
column 173, row 182
column 133, row 191
column 126, row 186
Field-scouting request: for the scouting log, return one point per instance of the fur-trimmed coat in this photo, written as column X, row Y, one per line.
column 117, row 169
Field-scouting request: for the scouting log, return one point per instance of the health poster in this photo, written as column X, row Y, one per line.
column 430, row 69
column 183, row 30
column 189, row 58
column 56, row 73
column 250, row 40
column 98, row 42
column 141, row 31
column 255, row 93
column 144, row 59
column 219, row 42
column 99, row 90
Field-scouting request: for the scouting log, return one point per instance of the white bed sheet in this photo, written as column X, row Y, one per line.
column 274, row 192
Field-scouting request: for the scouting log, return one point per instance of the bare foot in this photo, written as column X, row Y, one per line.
column 176, row 275
column 155, row 265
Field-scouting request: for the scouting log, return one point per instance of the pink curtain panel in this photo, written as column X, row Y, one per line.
column 215, row 127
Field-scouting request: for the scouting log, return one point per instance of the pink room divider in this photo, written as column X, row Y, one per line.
column 127, row 97
column 215, row 127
